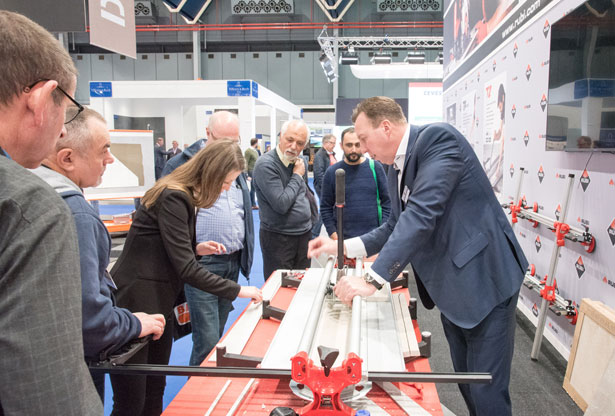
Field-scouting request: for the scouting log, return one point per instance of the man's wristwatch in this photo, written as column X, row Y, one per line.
column 370, row 279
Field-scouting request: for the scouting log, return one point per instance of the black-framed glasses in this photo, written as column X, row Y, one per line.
column 71, row 115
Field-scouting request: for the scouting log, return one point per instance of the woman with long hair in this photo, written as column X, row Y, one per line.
column 160, row 256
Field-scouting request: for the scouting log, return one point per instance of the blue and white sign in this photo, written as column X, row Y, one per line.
column 100, row 89
column 238, row 88
column 254, row 89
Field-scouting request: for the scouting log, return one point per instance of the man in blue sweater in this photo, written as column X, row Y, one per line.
column 367, row 196
column 79, row 161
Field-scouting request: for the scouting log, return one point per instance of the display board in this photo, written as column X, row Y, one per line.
column 500, row 105
column 132, row 172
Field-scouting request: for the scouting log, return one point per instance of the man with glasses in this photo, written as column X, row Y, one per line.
column 42, row 370
column 228, row 229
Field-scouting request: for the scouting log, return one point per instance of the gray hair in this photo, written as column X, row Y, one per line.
column 298, row 123
column 29, row 53
column 78, row 135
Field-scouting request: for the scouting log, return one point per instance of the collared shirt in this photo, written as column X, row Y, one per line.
column 354, row 246
column 224, row 222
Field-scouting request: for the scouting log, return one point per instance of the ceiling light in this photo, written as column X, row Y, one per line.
column 415, row 57
column 381, row 58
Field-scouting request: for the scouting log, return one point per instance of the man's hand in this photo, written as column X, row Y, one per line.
column 333, row 236
column 151, row 324
column 350, row 286
column 210, row 247
column 321, row 245
column 299, row 168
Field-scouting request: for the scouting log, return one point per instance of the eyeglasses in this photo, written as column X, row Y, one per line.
column 76, row 106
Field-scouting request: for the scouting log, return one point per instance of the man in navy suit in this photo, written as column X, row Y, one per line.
column 447, row 223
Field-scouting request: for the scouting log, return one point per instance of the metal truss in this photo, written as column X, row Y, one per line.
column 374, row 42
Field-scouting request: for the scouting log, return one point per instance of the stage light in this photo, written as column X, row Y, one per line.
column 328, row 67
column 380, row 58
column 349, row 57
column 415, row 57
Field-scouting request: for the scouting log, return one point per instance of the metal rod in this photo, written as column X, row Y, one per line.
column 218, row 397
column 242, row 395
column 543, row 219
column 355, row 326
column 263, row 373
column 542, row 316
column 312, row 321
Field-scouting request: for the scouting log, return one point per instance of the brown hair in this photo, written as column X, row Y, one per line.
column 201, row 177
column 377, row 109
column 28, row 54
column 78, row 136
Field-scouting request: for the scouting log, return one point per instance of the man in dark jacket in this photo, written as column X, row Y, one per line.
column 79, row 161
column 324, row 158
column 160, row 157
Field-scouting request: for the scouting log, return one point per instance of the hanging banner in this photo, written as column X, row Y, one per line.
column 112, row 26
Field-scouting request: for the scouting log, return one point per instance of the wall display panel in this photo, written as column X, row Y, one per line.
column 123, row 68
column 512, row 132
column 212, row 65
column 166, row 66
column 185, row 66
column 145, row 67
column 474, row 28
column 280, row 82
column 102, row 67
column 256, row 67
column 132, row 172
column 302, row 77
column 233, row 65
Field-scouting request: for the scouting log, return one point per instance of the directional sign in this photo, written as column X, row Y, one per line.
column 239, row 88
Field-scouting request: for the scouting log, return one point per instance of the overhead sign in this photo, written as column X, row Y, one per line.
column 101, row 89
column 112, row 26
column 239, row 88
column 254, row 89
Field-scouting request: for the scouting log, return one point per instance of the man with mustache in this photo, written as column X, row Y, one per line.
column 281, row 188
column 367, row 195
column 79, row 161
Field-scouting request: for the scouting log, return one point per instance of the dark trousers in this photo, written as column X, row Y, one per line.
column 252, row 188
column 488, row 347
column 142, row 395
column 283, row 251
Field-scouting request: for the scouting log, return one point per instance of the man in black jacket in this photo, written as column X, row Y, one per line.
column 324, row 158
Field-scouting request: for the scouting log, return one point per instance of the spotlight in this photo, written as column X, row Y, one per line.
column 440, row 59
column 381, row 58
column 415, row 57
column 328, row 67
column 349, row 57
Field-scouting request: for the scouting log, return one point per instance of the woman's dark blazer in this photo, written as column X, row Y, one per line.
column 159, row 257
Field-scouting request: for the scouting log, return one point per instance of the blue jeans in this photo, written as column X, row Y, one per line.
column 208, row 313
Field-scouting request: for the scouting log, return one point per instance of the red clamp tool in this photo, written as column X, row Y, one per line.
column 326, row 382
column 560, row 230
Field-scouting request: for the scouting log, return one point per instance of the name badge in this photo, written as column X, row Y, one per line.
column 405, row 195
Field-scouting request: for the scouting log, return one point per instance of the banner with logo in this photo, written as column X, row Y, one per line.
column 112, row 26
column 500, row 104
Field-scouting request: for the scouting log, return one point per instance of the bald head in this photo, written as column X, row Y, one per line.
column 223, row 125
